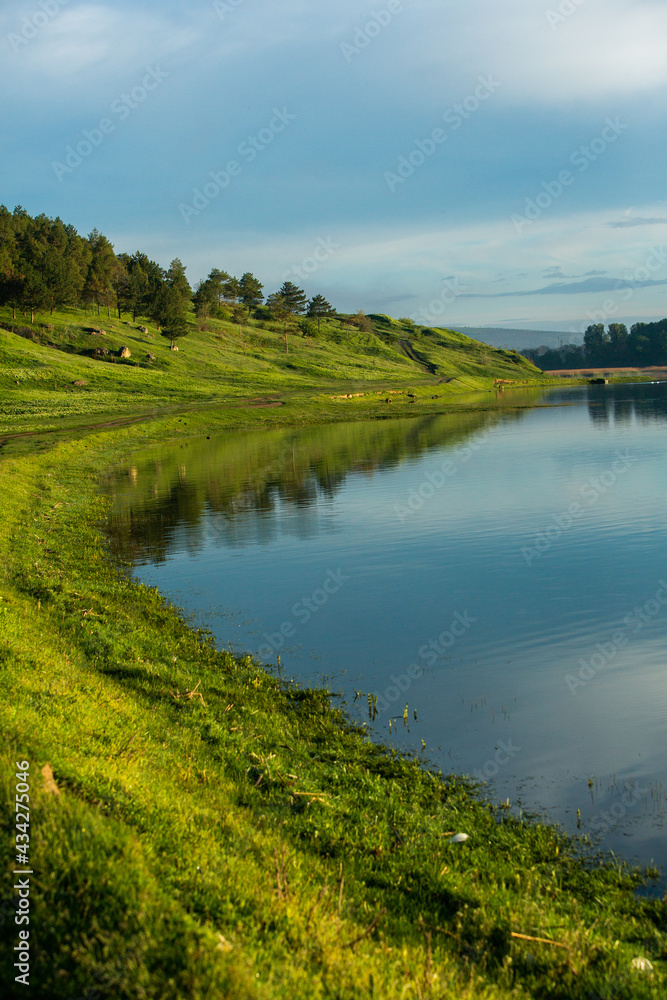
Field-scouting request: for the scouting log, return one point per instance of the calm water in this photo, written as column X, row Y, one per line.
column 504, row 574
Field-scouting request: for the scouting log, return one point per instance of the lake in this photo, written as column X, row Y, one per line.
column 503, row 573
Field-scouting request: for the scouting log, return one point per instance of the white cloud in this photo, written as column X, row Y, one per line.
column 225, row 74
column 88, row 43
column 605, row 49
column 402, row 269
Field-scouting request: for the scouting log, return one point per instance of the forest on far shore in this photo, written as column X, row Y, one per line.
column 644, row 346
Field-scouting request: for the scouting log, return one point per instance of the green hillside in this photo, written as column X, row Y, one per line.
column 41, row 363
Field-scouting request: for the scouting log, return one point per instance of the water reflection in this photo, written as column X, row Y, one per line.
column 230, row 488
column 618, row 404
column 244, row 529
column 644, row 402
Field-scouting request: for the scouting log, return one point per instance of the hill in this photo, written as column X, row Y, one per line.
column 199, row 827
column 520, row 340
column 58, row 371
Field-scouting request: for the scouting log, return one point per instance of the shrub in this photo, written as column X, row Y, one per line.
column 308, row 327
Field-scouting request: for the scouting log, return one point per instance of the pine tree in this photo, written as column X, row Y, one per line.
column 217, row 281
column 286, row 304
column 295, row 298
column 231, row 290
column 206, row 300
column 100, row 280
column 169, row 312
column 319, row 307
column 250, row 291
column 177, row 280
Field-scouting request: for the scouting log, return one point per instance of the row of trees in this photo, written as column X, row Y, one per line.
column 245, row 295
column 644, row 345
column 46, row 264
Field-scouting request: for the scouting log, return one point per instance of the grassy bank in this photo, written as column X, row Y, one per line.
column 66, row 369
column 216, row 833
column 210, row 831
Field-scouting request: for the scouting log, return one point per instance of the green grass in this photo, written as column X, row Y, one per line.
column 206, row 804
column 219, row 833
column 222, row 365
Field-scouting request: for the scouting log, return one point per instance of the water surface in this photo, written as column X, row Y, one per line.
column 502, row 573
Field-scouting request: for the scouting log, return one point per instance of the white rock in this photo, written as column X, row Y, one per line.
column 224, row 944
column 458, row 838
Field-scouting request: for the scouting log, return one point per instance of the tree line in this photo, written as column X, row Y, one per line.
column 46, row 264
column 644, row 345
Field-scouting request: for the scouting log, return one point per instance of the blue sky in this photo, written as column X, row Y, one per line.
column 477, row 163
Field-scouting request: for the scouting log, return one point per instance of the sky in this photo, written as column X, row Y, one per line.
column 477, row 163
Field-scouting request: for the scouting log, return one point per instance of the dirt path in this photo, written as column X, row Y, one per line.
column 122, row 421
column 99, row 425
column 414, row 355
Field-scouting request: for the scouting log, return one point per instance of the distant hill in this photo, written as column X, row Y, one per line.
column 518, row 340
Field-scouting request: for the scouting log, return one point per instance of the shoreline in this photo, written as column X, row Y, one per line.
column 289, row 853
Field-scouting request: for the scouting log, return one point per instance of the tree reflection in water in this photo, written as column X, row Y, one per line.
column 230, row 487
